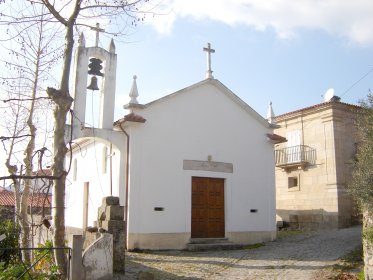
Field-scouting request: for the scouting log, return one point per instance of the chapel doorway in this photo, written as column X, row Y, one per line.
column 207, row 208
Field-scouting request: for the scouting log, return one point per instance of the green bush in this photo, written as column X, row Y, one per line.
column 14, row 271
column 11, row 231
column 11, row 266
column 46, row 263
column 11, row 271
column 43, row 266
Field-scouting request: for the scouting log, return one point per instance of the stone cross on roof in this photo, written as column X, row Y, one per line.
column 209, row 50
column 98, row 30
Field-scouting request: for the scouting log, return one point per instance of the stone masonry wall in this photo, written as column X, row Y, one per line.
column 320, row 200
column 111, row 220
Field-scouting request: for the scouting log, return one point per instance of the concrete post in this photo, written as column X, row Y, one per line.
column 76, row 264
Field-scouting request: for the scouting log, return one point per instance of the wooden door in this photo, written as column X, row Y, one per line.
column 207, row 207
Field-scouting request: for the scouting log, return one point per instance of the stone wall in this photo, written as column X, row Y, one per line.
column 98, row 258
column 110, row 220
column 320, row 200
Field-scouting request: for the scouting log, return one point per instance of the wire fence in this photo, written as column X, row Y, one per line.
column 41, row 267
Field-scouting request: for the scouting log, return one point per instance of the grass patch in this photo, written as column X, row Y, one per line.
column 368, row 234
column 354, row 258
column 360, row 275
column 288, row 233
column 351, row 261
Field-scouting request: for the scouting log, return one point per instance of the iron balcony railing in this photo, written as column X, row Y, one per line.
column 295, row 155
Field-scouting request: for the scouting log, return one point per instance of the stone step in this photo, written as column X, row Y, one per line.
column 213, row 246
column 208, row 240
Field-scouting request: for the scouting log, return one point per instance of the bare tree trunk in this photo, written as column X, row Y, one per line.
column 63, row 101
column 24, row 220
column 63, row 104
column 28, row 160
column 12, row 169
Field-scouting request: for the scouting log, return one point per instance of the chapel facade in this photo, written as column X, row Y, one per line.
column 195, row 164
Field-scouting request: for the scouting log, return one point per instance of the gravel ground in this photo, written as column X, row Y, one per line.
column 303, row 256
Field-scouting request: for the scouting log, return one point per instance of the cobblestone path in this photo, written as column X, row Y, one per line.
column 297, row 257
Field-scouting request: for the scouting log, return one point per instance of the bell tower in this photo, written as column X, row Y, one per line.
column 90, row 63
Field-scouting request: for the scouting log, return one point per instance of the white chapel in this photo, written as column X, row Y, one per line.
column 197, row 163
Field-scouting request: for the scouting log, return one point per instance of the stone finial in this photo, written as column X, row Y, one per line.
column 271, row 114
column 81, row 40
column 134, row 104
column 112, row 46
column 134, row 92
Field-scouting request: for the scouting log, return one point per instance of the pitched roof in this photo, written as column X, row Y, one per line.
column 7, row 198
column 317, row 106
column 223, row 89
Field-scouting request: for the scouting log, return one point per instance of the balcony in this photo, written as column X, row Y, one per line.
column 295, row 156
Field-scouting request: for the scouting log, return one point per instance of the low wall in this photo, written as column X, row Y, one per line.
column 98, row 258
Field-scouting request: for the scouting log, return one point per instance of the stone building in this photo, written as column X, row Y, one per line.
column 39, row 207
column 315, row 164
column 37, row 201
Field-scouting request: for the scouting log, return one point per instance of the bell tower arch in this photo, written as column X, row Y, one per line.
column 90, row 63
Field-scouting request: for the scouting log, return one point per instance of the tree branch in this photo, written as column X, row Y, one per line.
column 54, row 12
column 3, row 138
column 14, row 176
column 24, row 99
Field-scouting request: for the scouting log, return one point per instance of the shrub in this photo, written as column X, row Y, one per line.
column 11, row 231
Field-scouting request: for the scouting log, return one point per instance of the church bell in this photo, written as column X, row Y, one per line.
column 93, row 84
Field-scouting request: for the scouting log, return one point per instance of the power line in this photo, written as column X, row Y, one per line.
column 358, row 81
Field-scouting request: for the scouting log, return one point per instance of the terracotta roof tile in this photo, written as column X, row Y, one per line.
column 317, row 106
column 275, row 138
column 43, row 172
column 131, row 118
column 7, row 198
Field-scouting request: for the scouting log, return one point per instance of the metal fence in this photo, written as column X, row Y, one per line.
column 295, row 154
column 30, row 270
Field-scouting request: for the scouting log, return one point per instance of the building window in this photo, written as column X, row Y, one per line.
column 85, row 204
column 294, row 149
column 104, row 159
column 75, row 169
column 293, row 183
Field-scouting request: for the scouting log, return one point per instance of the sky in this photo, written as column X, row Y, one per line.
column 285, row 52
column 281, row 51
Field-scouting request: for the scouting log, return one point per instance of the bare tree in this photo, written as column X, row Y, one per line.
column 33, row 57
column 42, row 60
column 15, row 130
column 73, row 16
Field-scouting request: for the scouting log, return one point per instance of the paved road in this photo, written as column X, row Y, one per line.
column 298, row 257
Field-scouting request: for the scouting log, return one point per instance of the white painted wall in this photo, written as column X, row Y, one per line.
column 191, row 126
column 90, row 169
column 204, row 120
